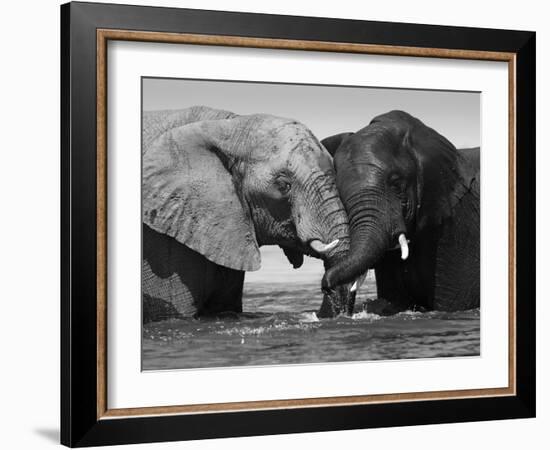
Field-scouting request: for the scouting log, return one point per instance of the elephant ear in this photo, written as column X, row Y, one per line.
column 156, row 123
column 332, row 143
column 443, row 175
column 190, row 195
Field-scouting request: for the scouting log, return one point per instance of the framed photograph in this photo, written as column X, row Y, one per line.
column 276, row 224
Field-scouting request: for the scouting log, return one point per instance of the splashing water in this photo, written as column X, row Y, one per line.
column 280, row 326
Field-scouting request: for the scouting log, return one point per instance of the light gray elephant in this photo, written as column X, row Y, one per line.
column 216, row 187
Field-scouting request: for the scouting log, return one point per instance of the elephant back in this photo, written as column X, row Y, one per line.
column 471, row 155
column 156, row 123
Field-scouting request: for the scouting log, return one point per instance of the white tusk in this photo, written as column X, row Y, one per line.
column 358, row 282
column 404, row 247
column 321, row 247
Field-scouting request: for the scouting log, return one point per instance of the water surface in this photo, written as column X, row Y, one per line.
column 280, row 326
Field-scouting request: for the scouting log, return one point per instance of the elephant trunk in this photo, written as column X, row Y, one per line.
column 321, row 220
column 369, row 241
column 334, row 247
column 340, row 299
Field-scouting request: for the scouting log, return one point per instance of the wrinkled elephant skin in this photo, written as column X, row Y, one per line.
column 217, row 186
column 412, row 201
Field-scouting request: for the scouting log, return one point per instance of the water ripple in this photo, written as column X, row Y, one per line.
column 280, row 326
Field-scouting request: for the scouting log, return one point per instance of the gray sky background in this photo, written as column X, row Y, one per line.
column 326, row 110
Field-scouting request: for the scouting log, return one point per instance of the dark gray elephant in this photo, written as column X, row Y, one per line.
column 216, row 187
column 412, row 200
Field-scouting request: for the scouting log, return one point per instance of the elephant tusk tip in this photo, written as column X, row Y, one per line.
column 403, row 243
column 321, row 247
column 358, row 282
column 332, row 244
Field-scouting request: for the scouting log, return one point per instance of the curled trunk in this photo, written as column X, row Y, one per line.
column 369, row 240
column 340, row 300
column 322, row 225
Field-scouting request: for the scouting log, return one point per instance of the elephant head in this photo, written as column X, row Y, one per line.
column 398, row 179
column 223, row 185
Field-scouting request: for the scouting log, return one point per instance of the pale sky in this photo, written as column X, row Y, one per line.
column 326, row 110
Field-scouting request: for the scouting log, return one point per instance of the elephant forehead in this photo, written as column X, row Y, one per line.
column 285, row 140
column 296, row 138
column 306, row 155
column 376, row 142
column 311, row 156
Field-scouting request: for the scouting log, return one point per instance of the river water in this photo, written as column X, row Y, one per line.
column 279, row 326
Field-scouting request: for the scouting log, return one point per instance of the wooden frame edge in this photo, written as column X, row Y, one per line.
column 103, row 35
column 101, row 223
column 512, row 201
column 289, row 44
column 303, row 403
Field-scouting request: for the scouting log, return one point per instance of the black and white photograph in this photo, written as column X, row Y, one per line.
column 303, row 224
column 280, row 223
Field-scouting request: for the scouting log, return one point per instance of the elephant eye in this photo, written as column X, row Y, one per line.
column 396, row 182
column 283, row 186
